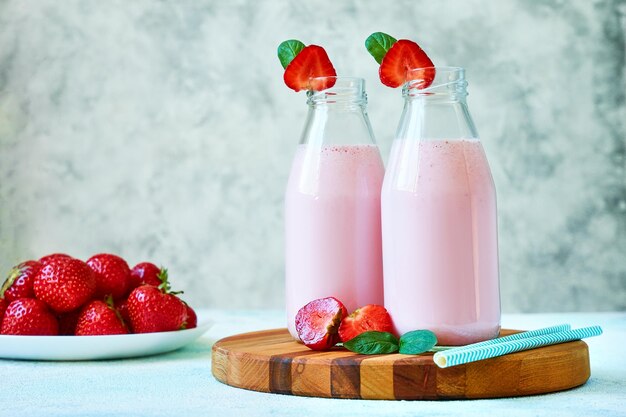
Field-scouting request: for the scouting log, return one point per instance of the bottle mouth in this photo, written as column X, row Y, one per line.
column 429, row 81
column 328, row 90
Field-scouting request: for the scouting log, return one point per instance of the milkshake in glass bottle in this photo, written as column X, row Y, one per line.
column 332, row 204
column 439, row 218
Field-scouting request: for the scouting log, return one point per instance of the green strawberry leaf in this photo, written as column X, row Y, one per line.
column 378, row 43
column 288, row 50
column 373, row 343
column 417, row 341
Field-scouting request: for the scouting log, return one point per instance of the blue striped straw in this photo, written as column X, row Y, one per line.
column 463, row 355
column 515, row 336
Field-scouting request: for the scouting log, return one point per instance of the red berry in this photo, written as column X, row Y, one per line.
column 99, row 318
column 47, row 258
column 318, row 321
column 146, row 273
column 191, row 320
column 65, row 284
column 112, row 275
column 67, row 323
column 121, row 306
column 311, row 62
column 3, row 306
column 19, row 284
column 400, row 59
column 154, row 310
column 371, row 317
column 29, row 316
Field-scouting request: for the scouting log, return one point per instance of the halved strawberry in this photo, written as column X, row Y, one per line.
column 402, row 57
column 310, row 63
column 318, row 321
column 371, row 317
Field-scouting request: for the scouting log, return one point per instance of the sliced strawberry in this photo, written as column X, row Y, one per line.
column 310, row 63
column 318, row 321
column 371, row 317
column 402, row 57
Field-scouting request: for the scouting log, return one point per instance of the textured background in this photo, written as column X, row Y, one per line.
column 161, row 130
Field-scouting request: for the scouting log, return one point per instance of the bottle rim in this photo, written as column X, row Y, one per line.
column 345, row 89
column 446, row 80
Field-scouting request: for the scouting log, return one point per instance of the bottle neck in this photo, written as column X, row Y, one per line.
column 338, row 115
column 437, row 111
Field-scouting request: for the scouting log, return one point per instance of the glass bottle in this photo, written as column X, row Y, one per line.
column 332, row 203
column 440, row 243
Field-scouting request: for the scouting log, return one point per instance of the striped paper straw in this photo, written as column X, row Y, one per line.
column 515, row 336
column 463, row 355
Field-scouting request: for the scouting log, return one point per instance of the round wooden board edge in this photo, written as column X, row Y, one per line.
column 228, row 367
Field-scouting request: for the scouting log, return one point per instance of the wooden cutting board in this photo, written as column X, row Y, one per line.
column 271, row 361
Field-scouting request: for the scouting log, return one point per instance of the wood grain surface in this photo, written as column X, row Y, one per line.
column 271, row 361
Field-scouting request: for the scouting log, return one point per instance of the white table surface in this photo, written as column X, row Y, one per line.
column 180, row 383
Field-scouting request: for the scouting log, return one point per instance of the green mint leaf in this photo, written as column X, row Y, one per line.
column 288, row 50
column 373, row 343
column 417, row 341
column 378, row 43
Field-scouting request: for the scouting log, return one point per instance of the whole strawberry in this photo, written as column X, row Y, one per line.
column 191, row 320
column 47, row 258
column 3, row 306
column 112, row 275
column 153, row 309
column 100, row 318
column 29, row 317
column 19, row 283
column 65, row 284
column 147, row 273
column 121, row 306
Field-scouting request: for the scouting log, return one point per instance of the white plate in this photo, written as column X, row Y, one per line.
column 80, row 348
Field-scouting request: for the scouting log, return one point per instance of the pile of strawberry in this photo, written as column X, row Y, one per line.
column 62, row 295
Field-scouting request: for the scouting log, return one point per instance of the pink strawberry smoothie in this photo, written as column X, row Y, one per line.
column 440, row 240
column 333, row 231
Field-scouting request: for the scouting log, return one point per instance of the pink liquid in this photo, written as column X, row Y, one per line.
column 332, row 225
column 440, row 240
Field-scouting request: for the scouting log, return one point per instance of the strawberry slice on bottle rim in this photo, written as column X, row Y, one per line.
column 405, row 61
column 310, row 69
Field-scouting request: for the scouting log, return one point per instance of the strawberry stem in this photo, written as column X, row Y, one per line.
column 13, row 275
column 165, row 284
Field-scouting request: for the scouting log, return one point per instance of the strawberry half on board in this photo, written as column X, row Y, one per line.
column 400, row 61
column 371, row 317
column 317, row 323
column 304, row 65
